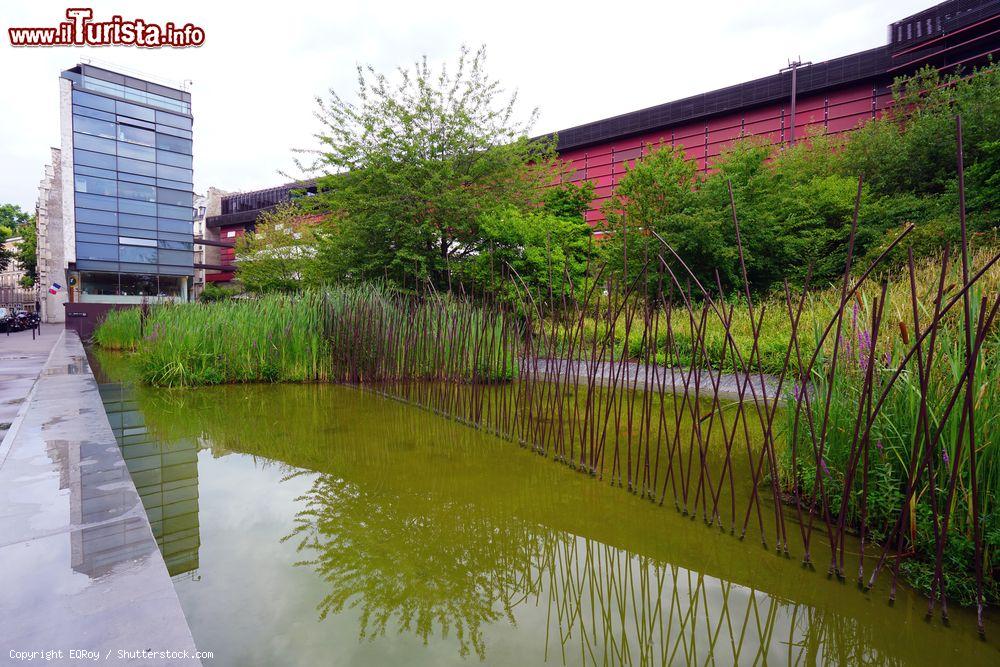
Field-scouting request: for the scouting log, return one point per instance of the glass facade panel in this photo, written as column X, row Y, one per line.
column 137, row 207
column 177, row 132
column 94, row 159
column 135, row 111
column 96, row 251
column 176, row 257
column 136, row 135
column 136, row 191
column 173, row 120
column 132, row 240
column 138, row 233
column 129, row 93
column 136, row 122
column 174, row 226
column 100, row 128
column 174, row 173
column 96, row 201
column 175, row 197
column 95, row 185
column 139, row 285
column 173, row 159
column 137, row 255
column 175, row 144
column 178, row 212
column 136, row 178
column 136, row 151
column 174, row 185
column 95, row 238
column 172, row 236
column 90, row 216
column 137, row 166
column 99, row 283
column 96, row 265
column 96, row 144
column 93, row 113
column 175, row 245
column 94, row 171
column 92, row 101
column 93, row 229
column 170, row 286
column 136, row 221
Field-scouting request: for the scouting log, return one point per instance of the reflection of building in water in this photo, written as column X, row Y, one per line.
column 165, row 475
column 98, row 498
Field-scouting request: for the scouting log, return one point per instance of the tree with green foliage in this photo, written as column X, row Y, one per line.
column 544, row 250
column 13, row 221
column 213, row 293
column 794, row 204
column 27, row 252
column 280, row 254
column 414, row 167
column 661, row 194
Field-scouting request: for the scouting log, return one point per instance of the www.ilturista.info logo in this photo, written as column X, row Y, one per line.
column 81, row 30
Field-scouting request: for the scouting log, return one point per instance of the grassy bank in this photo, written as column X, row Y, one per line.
column 897, row 439
column 341, row 334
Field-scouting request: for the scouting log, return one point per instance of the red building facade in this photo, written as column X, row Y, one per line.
column 834, row 96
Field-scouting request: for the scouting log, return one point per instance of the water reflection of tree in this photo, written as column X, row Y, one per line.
column 425, row 566
column 414, row 564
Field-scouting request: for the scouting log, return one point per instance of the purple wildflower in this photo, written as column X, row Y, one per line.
column 888, row 358
column 822, row 465
column 864, row 341
column 944, row 456
column 878, row 445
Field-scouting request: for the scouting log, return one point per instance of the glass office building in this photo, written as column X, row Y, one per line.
column 132, row 192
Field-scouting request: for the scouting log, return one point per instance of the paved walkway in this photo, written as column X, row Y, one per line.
column 21, row 359
column 641, row 375
column 79, row 567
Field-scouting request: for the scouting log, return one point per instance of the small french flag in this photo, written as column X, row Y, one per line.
column 55, row 288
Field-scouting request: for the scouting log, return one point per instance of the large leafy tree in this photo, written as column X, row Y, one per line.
column 662, row 193
column 413, row 167
column 27, row 252
column 280, row 254
column 13, row 222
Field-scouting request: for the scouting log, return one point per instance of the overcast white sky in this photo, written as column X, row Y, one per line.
column 255, row 78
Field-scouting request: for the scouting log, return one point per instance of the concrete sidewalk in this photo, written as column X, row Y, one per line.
column 21, row 362
column 79, row 566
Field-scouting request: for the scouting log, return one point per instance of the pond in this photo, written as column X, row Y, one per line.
column 308, row 524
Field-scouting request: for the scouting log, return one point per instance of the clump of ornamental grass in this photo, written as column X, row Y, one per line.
column 120, row 330
column 350, row 334
column 275, row 338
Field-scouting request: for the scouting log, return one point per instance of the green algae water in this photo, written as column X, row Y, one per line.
column 319, row 524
